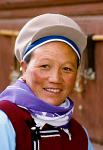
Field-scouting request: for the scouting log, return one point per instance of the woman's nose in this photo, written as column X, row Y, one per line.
column 55, row 76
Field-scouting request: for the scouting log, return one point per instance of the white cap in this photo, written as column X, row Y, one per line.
column 48, row 25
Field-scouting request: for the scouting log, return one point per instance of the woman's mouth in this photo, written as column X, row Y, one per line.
column 53, row 90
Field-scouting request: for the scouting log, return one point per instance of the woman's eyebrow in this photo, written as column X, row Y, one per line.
column 69, row 63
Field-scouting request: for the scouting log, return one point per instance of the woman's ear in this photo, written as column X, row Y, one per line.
column 23, row 67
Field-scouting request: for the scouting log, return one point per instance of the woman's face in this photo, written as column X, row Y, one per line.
column 51, row 72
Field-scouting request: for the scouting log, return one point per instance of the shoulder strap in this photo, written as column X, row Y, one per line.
column 79, row 134
column 22, row 123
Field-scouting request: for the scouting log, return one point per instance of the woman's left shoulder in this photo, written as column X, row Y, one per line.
column 90, row 145
column 78, row 128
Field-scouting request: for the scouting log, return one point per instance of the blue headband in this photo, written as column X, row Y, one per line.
column 32, row 46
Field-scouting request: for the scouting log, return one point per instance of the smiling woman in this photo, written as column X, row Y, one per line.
column 50, row 77
column 49, row 49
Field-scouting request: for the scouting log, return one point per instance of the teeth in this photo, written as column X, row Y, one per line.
column 53, row 90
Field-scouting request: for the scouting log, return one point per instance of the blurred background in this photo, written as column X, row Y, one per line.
column 88, row 90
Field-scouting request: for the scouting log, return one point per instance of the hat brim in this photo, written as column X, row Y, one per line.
column 79, row 38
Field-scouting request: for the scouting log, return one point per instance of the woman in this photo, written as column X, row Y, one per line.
column 36, row 111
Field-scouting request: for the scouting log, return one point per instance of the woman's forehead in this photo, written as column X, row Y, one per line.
column 57, row 51
column 54, row 48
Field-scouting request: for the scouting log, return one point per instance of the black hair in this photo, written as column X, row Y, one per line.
column 27, row 59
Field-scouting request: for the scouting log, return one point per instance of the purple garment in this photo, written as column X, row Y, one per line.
column 20, row 94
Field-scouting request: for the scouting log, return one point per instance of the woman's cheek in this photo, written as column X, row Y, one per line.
column 36, row 77
column 71, row 81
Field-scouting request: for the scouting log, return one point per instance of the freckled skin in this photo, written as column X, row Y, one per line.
column 51, row 72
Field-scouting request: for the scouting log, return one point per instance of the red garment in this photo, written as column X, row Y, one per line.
column 22, row 123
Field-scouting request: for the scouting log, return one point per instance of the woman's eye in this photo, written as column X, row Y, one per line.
column 67, row 69
column 44, row 66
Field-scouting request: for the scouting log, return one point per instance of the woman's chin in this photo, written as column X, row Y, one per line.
column 53, row 101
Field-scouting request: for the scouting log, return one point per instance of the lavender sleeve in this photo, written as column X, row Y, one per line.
column 7, row 133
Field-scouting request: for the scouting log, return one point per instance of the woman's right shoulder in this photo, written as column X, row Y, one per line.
column 6, row 130
column 3, row 118
column 5, row 122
